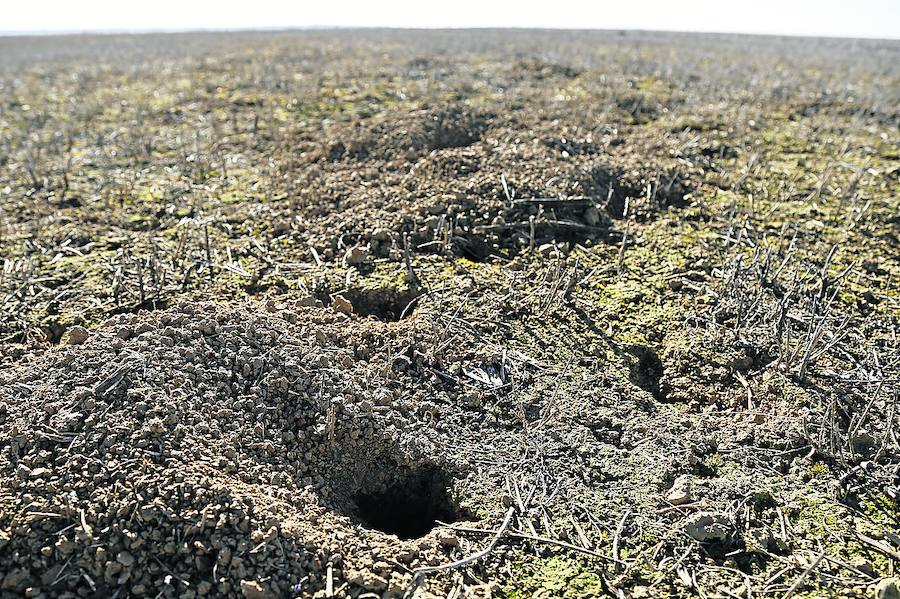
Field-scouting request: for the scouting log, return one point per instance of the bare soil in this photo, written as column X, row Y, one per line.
column 383, row 314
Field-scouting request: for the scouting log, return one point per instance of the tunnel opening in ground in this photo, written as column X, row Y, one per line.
column 387, row 304
column 411, row 506
column 647, row 371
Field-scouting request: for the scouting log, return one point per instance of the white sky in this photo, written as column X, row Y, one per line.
column 853, row 18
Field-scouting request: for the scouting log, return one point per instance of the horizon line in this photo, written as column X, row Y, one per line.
column 277, row 29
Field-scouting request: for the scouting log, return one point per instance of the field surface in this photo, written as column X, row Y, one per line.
column 451, row 313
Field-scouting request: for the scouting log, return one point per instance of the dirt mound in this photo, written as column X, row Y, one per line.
column 197, row 444
column 203, row 450
column 451, row 126
column 460, row 180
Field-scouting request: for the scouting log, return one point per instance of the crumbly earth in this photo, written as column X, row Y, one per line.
column 524, row 314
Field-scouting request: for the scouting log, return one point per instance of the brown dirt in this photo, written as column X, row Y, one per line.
column 307, row 314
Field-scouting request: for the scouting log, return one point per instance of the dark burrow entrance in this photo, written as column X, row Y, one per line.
column 647, row 371
column 384, row 303
column 411, row 506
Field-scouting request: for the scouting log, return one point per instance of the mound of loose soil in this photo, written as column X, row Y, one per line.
column 409, row 134
column 473, row 183
column 192, row 449
column 206, row 451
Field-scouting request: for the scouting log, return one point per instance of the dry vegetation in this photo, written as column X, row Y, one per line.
column 524, row 314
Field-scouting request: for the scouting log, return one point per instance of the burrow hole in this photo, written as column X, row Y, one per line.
column 647, row 371
column 384, row 303
column 411, row 506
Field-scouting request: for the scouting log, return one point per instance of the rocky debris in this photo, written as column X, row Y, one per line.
column 355, row 256
column 548, row 250
column 16, row 580
column 680, row 493
column 707, row 527
column 75, row 335
column 341, row 304
column 251, row 589
column 310, row 301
